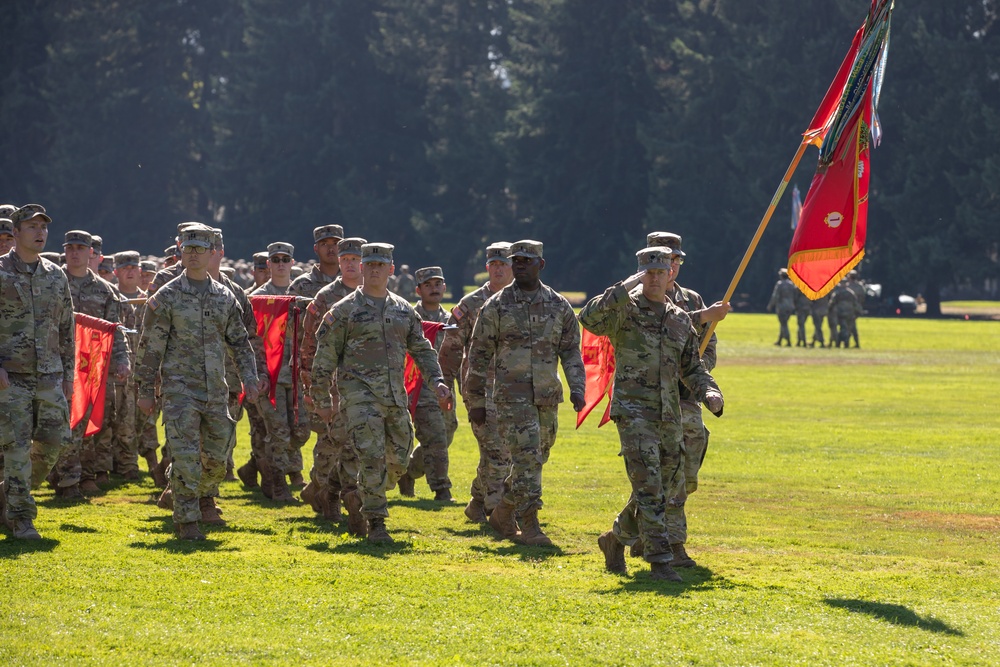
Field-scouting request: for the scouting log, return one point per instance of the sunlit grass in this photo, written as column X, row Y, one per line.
column 848, row 514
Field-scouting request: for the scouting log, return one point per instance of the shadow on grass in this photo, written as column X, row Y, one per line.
column 471, row 531
column 182, row 547
column 426, row 504
column 314, row 524
column 73, row 528
column 14, row 548
column 363, row 548
column 522, row 551
column 167, row 522
column 896, row 614
column 696, row 579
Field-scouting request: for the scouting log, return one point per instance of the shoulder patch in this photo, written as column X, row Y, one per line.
column 328, row 318
column 151, row 303
column 311, row 309
column 460, row 311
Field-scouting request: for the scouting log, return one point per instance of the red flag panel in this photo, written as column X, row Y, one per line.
column 94, row 340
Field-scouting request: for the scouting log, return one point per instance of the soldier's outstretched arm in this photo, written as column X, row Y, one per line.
column 603, row 314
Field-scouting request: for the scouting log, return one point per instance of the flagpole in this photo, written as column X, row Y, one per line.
column 756, row 237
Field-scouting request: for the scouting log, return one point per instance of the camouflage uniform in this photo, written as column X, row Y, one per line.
column 335, row 463
column 287, row 427
column 654, row 347
column 37, row 349
column 858, row 288
column 365, row 343
column 819, row 309
column 405, row 285
column 87, row 456
column 125, row 445
column 844, row 304
column 802, row 308
column 783, row 303
column 524, row 338
column 185, row 336
column 307, row 286
column 494, row 458
column 435, row 428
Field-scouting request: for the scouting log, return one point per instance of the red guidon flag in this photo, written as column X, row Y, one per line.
column 830, row 238
column 94, row 339
column 599, row 363
column 411, row 375
column 272, row 314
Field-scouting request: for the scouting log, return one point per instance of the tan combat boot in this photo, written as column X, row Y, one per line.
column 475, row 511
column 502, row 521
column 266, row 479
column 280, row 491
column 248, row 474
column 531, row 532
column 310, row 495
column 159, row 479
column 166, row 499
column 663, row 572
column 614, row 553
column 681, row 558
column 295, row 480
column 24, row 529
column 188, row 531
column 377, row 533
column 330, row 505
column 209, row 512
column 406, row 486
column 357, row 525
column 88, row 487
column 71, row 492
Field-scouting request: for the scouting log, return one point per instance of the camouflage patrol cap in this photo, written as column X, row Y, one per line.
column 328, row 232
column 228, row 270
column 147, row 266
column 97, row 243
column 280, row 248
column 296, row 271
column 201, row 236
column 217, row 243
column 782, row 273
column 78, row 237
column 170, row 251
column 181, row 226
column 377, row 252
column 6, row 210
column 526, row 248
column 351, row 246
column 107, row 264
column 260, row 260
column 665, row 240
column 428, row 273
column 29, row 212
column 497, row 252
column 53, row 257
column 6, row 226
column 126, row 258
column 654, row 258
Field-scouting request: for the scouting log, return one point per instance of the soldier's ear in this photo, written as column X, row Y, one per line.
column 541, row 263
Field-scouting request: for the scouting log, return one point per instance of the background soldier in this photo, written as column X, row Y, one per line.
column 819, row 309
column 287, row 423
column 189, row 324
column 37, row 357
column 494, row 459
column 405, row 285
column 695, row 432
column 803, row 306
column 6, row 231
column 435, row 428
column 858, row 289
column 365, row 338
column 89, row 459
column 147, row 268
column 335, row 463
column 783, row 303
column 526, row 329
column 655, row 346
column 261, row 271
column 125, row 448
column 845, row 307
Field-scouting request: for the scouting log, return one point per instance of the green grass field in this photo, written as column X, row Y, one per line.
column 848, row 514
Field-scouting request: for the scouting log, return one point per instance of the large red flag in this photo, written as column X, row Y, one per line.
column 830, row 238
column 599, row 364
column 412, row 378
column 94, row 339
column 272, row 323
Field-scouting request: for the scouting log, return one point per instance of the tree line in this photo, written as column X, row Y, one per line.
column 440, row 125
